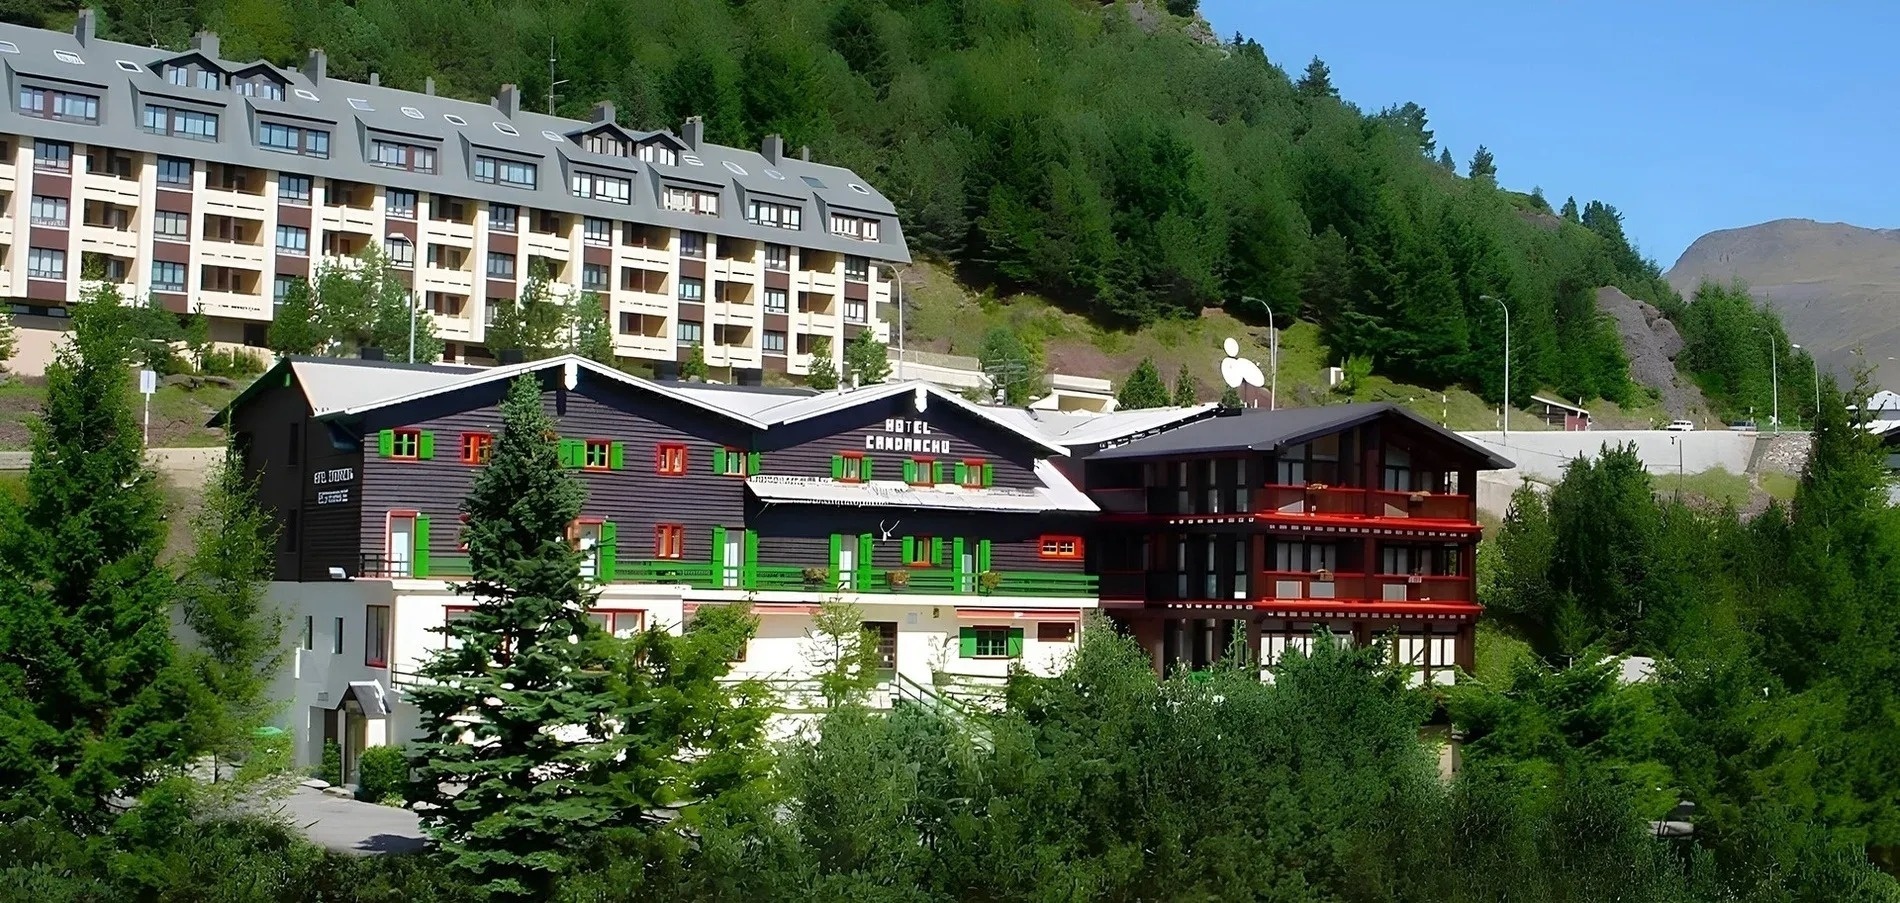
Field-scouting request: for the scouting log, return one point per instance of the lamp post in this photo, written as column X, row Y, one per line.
column 1273, row 355
column 1504, row 410
column 1774, row 379
column 1817, row 383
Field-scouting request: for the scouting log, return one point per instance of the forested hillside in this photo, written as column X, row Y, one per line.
column 1113, row 157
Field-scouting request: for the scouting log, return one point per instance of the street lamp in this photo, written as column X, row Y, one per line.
column 1273, row 354
column 1504, row 410
column 1774, row 378
column 1817, row 382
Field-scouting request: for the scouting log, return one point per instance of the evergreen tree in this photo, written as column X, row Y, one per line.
column 1230, row 399
column 237, row 636
column 534, row 323
column 824, row 372
column 1184, row 388
column 593, row 335
column 294, row 326
column 1010, row 362
column 520, row 742
column 91, row 700
column 694, row 367
column 1569, row 211
column 1483, row 167
column 1446, row 163
column 842, row 653
column 866, row 360
column 1143, row 388
column 361, row 304
column 1317, row 82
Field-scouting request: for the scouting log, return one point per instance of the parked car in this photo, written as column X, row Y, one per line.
column 1744, row 426
column 1680, row 426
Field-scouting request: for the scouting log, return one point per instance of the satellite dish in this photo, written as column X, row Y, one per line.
column 1237, row 370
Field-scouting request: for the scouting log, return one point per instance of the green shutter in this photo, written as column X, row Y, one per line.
column 867, row 469
column 719, row 548
column 956, row 559
column 989, row 474
column 750, row 578
column 982, row 555
column 864, row 561
column 420, row 565
column 719, row 459
column 837, row 467
column 966, row 642
column 425, row 446
column 617, row 455
column 837, row 543
column 573, row 452
column 386, row 443
column 943, row 473
column 609, row 548
column 962, row 470
column 753, row 460
column 910, row 471
column 1015, row 642
column 936, row 550
column 910, row 549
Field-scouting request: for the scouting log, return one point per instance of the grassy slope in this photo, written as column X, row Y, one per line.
column 942, row 316
column 178, row 413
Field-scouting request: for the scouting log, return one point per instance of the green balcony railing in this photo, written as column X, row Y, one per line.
column 793, row 578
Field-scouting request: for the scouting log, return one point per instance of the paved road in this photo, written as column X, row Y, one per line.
column 351, row 826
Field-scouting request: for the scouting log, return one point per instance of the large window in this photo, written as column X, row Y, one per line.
column 594, row 277
column 776, row 301
column 49, row 211
column 772, row 342
column 597, row 231
column 396, row 155
column 46, row 263
column 293, row 240
column 49, row 103
column 400, row 251
column 669, row 541
column 854, row 227
column 690, row 333
column 692, row 290
column 168, row 276
column 781, row 216
column 174, row 171
column 602, row 188
column 501, row 266
column 659, row 153
column 171, row 224
column 376, row 636
column 292, row 139
column 400, row 203
column 180, row 123
column 692, row 244
column 687, row 200
column 502, row 217
column 293, row 189
column 856, row 311
column 856, row 267
column 53, row 155
column 778, row 257
column 505, row 172
column 990, row 642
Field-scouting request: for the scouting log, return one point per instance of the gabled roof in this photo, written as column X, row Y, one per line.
column 332, row 383
column 819, row 405
column 1560, row 404
column 1076, row 429
column 1269, row 431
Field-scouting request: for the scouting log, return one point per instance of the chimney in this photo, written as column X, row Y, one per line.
column 85, row 26
column 375, row 79
column 603, row 112
column 693, row 132
column 315, row 65
column 206, row 42
column 509, row 100
column 804, row 153
column 428, row 85
column 772, row 149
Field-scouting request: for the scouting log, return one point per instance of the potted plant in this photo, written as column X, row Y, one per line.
column 1315, row 487
column 1414, row 579
column 817, row 576
column 1323, row 576
column 898, row 579
column 1418, row 497
column 988, row 581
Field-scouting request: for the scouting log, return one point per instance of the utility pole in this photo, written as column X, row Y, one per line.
column 552, row 84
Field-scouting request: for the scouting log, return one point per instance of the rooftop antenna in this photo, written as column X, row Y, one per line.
column 552, row 84
column 1237, row 371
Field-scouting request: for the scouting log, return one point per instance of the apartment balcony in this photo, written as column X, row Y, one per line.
column 231, row 202
column 238, row 305
column 816, row 281
column 438, row 279
column 1319, row 500
column 544, row 244
column 9, row 174
column 447, row 231
column 239, row 254
column 127, row 289
column 454, row 328
column 343, row 218
column 109, row 241
column 659, row 347
column 644, row 258
column 642, row 302
column 6, row 230
column 107, row 187
column 1279, row 589
column 732, row 270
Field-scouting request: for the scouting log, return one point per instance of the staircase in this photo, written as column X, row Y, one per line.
column 972, row 719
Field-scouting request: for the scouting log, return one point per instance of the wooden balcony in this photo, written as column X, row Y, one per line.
column 1282, row 587
column 705, row 575
column 1319, row 500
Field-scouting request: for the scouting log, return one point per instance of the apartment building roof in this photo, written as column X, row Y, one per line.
column 126, row 77
column 1268, row 431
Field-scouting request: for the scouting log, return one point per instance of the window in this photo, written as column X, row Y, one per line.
column 603, row 143
column 55, row 155
column 336, row 637
column 670, row 460
column 989, row 642
column 1066, row 548
column 400, row 203
column 405, row 444
column 309, row 632
column 776, row 301
column 687, row 332
column 173, row 171
column 973, row 474
column 597, row 231
column 292, row 139
column 602, row 188
column 594, row 277
column 659, row 153
column 778, row 257
column 779, row 216
column 293, row 189
column 921, row 471
column 692, row 244
column 693, row 290
column 376, row 636
column 622, row 624
column 886, row 632
column 394, row 155
column 400, row 251
column 1055, row 632
column 162, row 120
column 280, row 288
column 48, row 103
column 686, row 200
column 730, row 462
column 171, row 224
column 773, row 342
column 293, row 240
column 260, row 87
column 850, row 468
column 856, row 267
column 669, row 541
column 854, row 227
column 46, row 263
column 501, row 217
column 168, row 276
column 855, row 311
column 49, row 211
column 921, row 551
column 506, row 172
column 501, row 266
column 589, row 537
column 599, row 454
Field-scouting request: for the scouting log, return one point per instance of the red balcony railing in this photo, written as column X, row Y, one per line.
column 1424, row 505
column 1315, row 498
column 1311, row 585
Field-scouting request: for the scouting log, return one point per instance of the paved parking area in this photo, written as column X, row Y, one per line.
column 351, row 826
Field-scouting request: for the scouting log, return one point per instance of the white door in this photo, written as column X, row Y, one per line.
column 587, row 542
column 734, row 556
column 848, row 564
column 402, row 544
column 966, row 567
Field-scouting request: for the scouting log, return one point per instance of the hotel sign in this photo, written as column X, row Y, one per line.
column 334, row 491
column 901, row 435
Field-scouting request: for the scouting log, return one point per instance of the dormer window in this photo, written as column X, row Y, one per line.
column 686, row 200
column 780, row 216
column 291, row 139
column 601, row 188
column 396, row 155
column 194, row 77
column 259, row 86
column 606, row 143
column 856, row 227
column 655, row 152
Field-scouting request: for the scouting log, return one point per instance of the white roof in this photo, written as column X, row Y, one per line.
column 1056, row 494
column 337, row 385
column 772, row 407
column 1095, row 428
column 1884, row 400
column 1555, row 403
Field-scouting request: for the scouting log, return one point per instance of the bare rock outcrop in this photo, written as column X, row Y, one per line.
column 1651, row 342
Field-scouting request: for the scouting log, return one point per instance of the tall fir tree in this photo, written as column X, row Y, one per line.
column 593, row 334
column 823, row 375
column 533, row 323
column 866, row 360
column 1143, row 388
column 1569, row 210
column 91, row 697
column 1184, row 388
column 518, row 713
column 294, row 327
column 1317, row 82
column 1484, row 167
column 693, row 368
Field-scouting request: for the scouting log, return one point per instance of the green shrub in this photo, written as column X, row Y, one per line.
column 232, row 362
column 383, row 773
column 332, row 768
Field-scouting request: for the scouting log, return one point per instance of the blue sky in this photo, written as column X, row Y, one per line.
column 1687, row 116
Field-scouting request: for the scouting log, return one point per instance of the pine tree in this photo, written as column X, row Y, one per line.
column 1143, row 388
column 533, row 323
column 1569, row 211
column 1483, row 166
column 237, row 636
column 294, row 326
column 1184, row 388
column 1446, row 163
column 91, row 698
column 866, row 360
column 1317, row 82
column 593, row 335
column 1230, row 399
column 842, row 653
column 694, row 367
column 517, row 713
column 824, row 373
column 1011, row 363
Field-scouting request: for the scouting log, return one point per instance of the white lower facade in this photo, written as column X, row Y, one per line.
column 356, row 646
